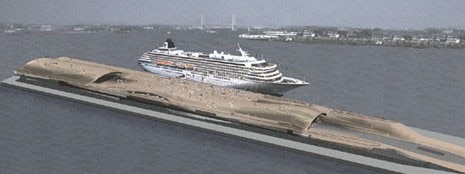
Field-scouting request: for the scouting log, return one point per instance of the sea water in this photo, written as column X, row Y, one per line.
column 422, row 88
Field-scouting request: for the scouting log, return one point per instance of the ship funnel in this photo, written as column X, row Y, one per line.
column 170, row 43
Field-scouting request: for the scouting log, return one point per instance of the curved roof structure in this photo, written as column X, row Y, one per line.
column 200, row 97
column 67, row 69
column 382, row 137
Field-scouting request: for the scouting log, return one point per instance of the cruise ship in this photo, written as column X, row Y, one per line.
column 237, row 71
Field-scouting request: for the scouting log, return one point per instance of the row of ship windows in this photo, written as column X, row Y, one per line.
column 223, row 68
column 216, row 63
column 229, row 72
column 234, row 74
column 227, row 69
column 226, row 75
column 201, row 56
column 266, row 80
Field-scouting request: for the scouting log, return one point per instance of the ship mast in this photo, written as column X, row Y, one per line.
column 233, row 23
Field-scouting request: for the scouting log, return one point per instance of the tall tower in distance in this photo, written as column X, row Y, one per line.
column 202, row 18
column 233, row 23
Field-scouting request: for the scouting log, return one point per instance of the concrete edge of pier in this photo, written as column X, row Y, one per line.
column 321, row 152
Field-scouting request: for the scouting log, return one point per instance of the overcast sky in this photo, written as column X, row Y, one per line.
column 399, row 14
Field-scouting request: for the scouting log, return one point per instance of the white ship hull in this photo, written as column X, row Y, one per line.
column 275, row 88
column 218, row 68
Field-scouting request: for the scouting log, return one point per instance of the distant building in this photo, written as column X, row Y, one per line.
column 333, row 35
column 447, row 31
column 397, row 38
column 10, row 32
column 424, row 39
column 307, row 33
column 46, row 28
column 147, row 27
column 78, row 29
column 452, row 40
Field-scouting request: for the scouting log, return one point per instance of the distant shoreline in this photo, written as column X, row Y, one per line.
column 426, row 38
